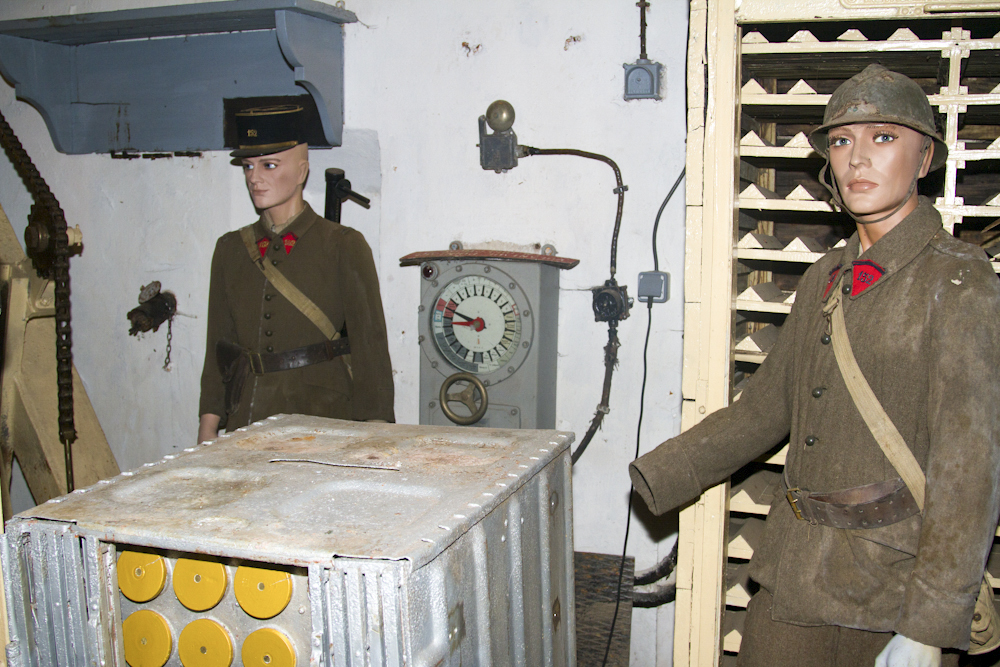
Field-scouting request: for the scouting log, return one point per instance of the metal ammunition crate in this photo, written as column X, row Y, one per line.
column 306, row 541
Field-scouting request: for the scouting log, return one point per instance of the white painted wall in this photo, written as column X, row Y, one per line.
column 413, row 94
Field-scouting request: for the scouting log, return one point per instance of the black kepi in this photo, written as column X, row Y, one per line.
column 267, row 130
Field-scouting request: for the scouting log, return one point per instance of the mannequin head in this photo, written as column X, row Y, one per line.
column 878, row 137
column 274, row 159
column 875, row 166
column 276, row 181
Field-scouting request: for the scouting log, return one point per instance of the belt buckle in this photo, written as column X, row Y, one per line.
column 794, row 502
column 256, row 363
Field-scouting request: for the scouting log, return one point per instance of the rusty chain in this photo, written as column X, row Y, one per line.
column 47, row 227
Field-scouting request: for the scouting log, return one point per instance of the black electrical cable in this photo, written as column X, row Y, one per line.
column 628, row 520
column 638, row 431
column 658, row 571
column 620, row 190
column 654, row 595
column 611, row 349
column 656, row 225
column 610, row 362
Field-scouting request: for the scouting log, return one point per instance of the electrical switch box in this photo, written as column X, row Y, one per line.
column 654, row 286
column 642, row 80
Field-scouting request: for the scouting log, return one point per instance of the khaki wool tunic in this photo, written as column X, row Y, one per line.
column 332, row 265
column 923, row 318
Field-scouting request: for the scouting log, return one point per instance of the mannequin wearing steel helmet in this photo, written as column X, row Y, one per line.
column 877, row 99
column 847, row 576
column 871, row 131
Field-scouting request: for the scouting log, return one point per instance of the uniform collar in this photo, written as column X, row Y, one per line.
column 299, row 226
column 889, row 254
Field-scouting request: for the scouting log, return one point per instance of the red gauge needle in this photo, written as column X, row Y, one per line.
column 476, row 324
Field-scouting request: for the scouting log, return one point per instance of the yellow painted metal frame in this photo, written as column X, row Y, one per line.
column 28, row 403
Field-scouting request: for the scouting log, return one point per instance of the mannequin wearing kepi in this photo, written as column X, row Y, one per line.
column 295, row 320
column 846, row 577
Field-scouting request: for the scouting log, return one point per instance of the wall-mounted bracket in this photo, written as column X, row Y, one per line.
column 101, row 84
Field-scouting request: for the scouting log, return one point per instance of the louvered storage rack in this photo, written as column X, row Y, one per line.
column 758, row 80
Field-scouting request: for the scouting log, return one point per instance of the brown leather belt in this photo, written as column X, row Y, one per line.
column 236, row 363
column 269, row 362
column 869, row 506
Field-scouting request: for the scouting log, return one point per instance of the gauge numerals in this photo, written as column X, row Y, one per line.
column 476, row 324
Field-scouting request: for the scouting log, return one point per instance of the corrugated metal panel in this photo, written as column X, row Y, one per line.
column 460, row 554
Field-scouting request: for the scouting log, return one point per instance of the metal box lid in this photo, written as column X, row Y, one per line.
column 297, row 490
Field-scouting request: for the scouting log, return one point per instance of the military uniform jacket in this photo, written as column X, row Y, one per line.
column 332, row 265
column 923, row 317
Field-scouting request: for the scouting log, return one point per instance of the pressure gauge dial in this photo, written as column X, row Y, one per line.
column 476, row 324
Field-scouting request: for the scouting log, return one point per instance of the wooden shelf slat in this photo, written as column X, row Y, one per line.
column 970, row 211
column 738, row 584
column 968, row 155
column 785, row 205
column 881, row 47
column 746, row 539
column 799, row 153
column 732, row 630
column 778, row 255
column 778, row 458
column 754, row 494
column 766, row 306
column 786, row 100
column 750, row 357
column 779, row 152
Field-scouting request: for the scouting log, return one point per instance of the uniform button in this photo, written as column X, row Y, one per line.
column 846, row 289
column 267, row 316
column 268, row 333
column 270, row 348
column 825, row 338
column 817, row 392
column 811, row 440
column 268, row 297
column 274, row 262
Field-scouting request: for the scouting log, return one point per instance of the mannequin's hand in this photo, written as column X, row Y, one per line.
column 208, row 427
column 904, row 652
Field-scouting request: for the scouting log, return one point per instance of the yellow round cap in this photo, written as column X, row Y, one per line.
column 147, row 640
column 205, row 643
column 261, row 592
column 199, row 584
column 141, row 576
column 267, row 647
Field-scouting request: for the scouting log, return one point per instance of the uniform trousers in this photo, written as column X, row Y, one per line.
column 769, row 643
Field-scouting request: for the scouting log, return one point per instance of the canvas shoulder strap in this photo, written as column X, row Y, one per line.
column 880, row 424
column 286, row 288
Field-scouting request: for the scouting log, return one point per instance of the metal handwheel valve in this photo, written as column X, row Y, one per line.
column 466, row 397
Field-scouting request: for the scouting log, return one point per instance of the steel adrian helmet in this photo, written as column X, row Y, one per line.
column 878, row 95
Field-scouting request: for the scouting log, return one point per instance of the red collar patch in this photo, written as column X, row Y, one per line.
column 829, row 283
column 262, row 245
column 289, row 240
column 865, row 274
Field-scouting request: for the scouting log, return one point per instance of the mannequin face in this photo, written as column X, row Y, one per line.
column 875, row 164
column 276, row 179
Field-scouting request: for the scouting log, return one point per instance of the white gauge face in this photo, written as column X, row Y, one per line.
column 476, row 324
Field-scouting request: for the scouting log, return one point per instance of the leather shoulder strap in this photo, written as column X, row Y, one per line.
column 287, row 289
column 880, row 424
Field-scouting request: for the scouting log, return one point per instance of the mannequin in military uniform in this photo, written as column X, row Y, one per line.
column 266, row 352
column 855, row 580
